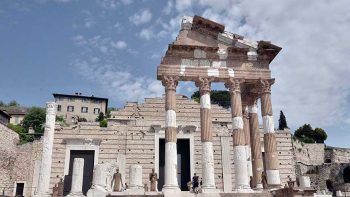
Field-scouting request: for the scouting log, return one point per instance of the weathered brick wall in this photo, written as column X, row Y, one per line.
column 130, row 132
column 17, row 161
column 339, row 155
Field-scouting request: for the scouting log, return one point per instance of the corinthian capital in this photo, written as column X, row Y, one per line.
column 170, row 82
column 204, row 85
column 234, row 85
column 265, row 85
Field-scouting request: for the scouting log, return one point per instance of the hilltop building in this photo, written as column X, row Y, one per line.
column 77, row 107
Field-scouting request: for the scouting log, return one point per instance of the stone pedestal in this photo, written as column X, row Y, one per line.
column 43, row 189
column 304, row 181
column 135, row 186
column 77, row 178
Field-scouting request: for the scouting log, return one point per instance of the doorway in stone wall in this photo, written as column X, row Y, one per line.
column 183, row 163
column 88, row 156
column 19, row 189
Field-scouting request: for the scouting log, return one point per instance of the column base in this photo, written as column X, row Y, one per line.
column 44, row 194
column 259, row 186
column 243, row 190
column 170, row 190
column 79, row 194
column 209, row 190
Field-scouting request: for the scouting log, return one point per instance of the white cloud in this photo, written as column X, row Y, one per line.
column 120, row 85
column 141, row 17
column 112, row 4
column 311, row 71
column 119, row 45
column 146, row 34
column 168, row 8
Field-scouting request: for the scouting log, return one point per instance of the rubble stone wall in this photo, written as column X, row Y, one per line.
column 17, row 161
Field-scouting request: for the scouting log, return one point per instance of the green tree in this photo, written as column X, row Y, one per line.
column 103, row 123
column 35, row 118
column 304, row 131
column 220, row 97
column 13, row 103
column 100, row 117
column 24, row 137
column 282, row 122
column 320, row 135
column 307, row 134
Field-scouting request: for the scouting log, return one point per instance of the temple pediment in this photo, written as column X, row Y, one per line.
column 204, row 49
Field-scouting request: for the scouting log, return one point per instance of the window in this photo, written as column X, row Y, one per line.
column 96, row 110
column 70, row 108
column 58, row 107
column 96, row 101
column 84, row 110
column 85, row 100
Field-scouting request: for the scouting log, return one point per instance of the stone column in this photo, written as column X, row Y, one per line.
column 246, row 130
column 46, row 158
column 208, row 184
column 239, row 139
column 170, row 168
column 255, row 143
column 77, row 178
column 135, row 177
column 271, row 156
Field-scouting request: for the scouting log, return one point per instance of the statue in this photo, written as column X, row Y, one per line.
column 251, row 182
column 60, row 187
column 264, row 180
column 153, row 179
column 55, row 191
column 118, row 182
column 195, row 182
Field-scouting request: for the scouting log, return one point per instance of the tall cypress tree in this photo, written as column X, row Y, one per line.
column 282, row 122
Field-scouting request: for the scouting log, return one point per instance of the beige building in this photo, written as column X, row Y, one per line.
column 77, row 106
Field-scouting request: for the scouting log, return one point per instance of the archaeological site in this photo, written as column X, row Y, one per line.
column 166, row 145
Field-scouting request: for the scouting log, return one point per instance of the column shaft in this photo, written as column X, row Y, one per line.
column 271, row 156
column 46, row 158
column 77, row 177
column 246, row 129
column 257, row 161
column 170, row 168
column 206, row 135
column 239, row 139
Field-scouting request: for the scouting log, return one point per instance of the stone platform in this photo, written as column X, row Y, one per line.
column 190, row 194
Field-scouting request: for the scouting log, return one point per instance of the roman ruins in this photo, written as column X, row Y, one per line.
column 164, row 141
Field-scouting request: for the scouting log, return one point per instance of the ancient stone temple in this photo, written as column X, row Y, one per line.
column 156, row 147
column 204, row 53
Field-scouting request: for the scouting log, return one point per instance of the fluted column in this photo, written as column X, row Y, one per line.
column 271, row 156
column 46, row 158
column 255, row 143
column 239, row 139
column 246, row 130
column 170, row 168
column 206, row 135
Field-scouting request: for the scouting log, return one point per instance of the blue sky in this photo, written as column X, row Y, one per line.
column 111, row 48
